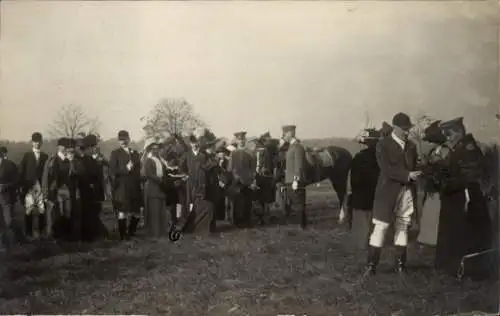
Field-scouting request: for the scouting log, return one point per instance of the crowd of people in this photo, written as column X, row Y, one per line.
column 185, row 186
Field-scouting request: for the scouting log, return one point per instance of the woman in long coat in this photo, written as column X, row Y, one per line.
column 155, row 173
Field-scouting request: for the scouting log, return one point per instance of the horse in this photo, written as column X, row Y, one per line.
column 328, row 163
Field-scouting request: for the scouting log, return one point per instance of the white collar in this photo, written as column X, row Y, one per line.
column 61, row 156
column 398, row 140
column 195, row 152
column 293, row 141
column 36, row 151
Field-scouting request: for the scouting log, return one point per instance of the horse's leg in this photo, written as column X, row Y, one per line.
column 339, row 183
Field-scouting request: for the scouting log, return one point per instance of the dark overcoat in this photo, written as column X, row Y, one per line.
column 31, row 171
column 242, row 166
column 395, row 165
column 9, row 177
column 126, row 184
column 194, row 166
column 364, row 177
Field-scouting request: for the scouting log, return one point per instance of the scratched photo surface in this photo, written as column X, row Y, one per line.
column 185, row 77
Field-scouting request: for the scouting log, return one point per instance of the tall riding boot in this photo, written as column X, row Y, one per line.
column 28, row 225
column 132, row 226
column 400, row 260
column 122, row 228
column 42, row 223
column 373, row 259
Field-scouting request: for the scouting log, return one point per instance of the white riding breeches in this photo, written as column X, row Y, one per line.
column 403, row 211
column 34, row 200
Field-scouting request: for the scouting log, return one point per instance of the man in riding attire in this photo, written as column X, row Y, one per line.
column 395, row 192
column 61, row 185
column 242, row 166
column 31, row 171
column 125, row 165
column 295, row 174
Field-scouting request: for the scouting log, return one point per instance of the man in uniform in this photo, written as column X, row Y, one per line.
column 242, row 166
column 8, row 186
column 395, row 192
column 125, row 165
column 295, row 174
column 31, row 171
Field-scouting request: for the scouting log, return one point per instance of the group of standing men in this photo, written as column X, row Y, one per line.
column 63, row 191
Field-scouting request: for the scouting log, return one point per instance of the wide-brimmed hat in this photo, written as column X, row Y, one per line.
column 151, row 141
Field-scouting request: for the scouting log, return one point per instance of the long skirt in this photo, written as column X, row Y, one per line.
column 157, row 217
column 361, row 227
column 429, row 221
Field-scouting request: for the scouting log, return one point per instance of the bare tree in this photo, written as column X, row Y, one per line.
column 171, row 117
column 72, row 120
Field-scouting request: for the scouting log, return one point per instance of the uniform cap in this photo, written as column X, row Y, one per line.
column 289, row 128
column 240, row 135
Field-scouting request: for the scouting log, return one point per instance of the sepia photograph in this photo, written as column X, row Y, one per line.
column 249, row 158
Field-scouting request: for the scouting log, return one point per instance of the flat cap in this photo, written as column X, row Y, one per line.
column 122, row 135
column 36, row 137
column 240, row 135
column 402, row 121
column 90, row 140
column 289, row 128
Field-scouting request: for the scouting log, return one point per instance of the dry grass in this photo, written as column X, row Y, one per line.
column 262, row 271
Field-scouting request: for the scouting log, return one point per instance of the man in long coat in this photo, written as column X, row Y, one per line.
column 201, row 209
column 31, row 172
column 242, row 165
column 395, row 192
column 125, row 165
column 9, row 177
column 295, row 174
column 95, row 163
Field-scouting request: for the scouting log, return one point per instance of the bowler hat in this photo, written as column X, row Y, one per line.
column 71, row 143
column 402, row 121
column 36, row 137
column 123, row 135
column 90, row 140
column 289, row 128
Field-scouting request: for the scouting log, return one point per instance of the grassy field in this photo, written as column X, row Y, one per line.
column 278, row 270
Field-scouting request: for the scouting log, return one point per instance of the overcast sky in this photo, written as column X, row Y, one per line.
column 251, row 66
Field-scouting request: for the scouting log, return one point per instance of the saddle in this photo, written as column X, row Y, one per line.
column 318, row 159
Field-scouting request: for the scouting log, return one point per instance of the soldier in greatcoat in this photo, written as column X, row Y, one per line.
column 395, row 192
column 242, row 165
column 31, row 172
column 295, row 174
column 125, row 165
column 9, row 179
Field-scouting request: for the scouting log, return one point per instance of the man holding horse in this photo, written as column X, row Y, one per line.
column 295, row 173
column 395, row 192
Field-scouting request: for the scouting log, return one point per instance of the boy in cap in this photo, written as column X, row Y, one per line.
column 394, row 193
column 9, row 177
column 125, row 166
column 295, row 173
column 242, row 166
column 31, row 172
